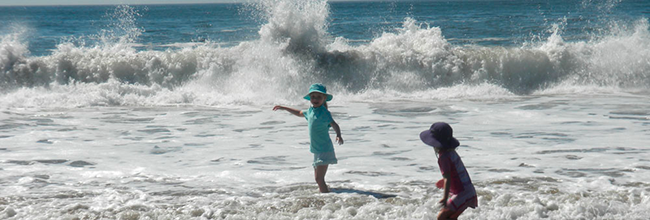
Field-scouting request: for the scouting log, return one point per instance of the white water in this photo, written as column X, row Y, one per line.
column 415, row 61
column 562, row 157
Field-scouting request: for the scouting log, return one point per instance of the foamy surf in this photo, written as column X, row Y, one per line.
column 354, row 71
column 544, row 157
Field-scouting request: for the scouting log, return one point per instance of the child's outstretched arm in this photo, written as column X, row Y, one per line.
column 336, row 128
column 295, row 112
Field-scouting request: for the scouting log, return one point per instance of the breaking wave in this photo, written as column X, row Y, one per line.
column 294, row 50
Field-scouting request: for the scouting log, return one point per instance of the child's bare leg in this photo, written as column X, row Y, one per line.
column 319, row 174
column 445, row 214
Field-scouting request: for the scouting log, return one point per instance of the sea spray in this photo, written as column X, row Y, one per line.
column 301, row 25
column 295, row 49
column 122, row 26
column 12, row 56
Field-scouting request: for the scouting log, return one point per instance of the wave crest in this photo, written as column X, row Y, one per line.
column 295, row 50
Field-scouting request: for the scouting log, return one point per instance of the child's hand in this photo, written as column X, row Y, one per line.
column 275, row 108
column 443, row 202
column 441, row 183
column 339, row 139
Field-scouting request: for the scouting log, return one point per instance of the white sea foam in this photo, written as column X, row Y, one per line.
column 295, row 50
column 12, row 53
column 531, row 158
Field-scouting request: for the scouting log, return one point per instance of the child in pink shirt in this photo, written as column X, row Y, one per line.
column 459, row 191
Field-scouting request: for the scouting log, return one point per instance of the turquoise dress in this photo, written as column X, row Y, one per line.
column 319, row 125
column 320, row 143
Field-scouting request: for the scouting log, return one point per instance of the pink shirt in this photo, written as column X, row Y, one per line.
column 461, row 186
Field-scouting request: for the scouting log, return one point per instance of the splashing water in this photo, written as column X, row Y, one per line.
column 295, row 49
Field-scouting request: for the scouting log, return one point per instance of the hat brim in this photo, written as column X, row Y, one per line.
column 427, row 137
column 329, row 97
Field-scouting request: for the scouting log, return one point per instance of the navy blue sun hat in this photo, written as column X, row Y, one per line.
column 319, row 88
column 440, row 135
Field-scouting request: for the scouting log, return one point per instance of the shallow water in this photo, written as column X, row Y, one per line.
column 530, row 157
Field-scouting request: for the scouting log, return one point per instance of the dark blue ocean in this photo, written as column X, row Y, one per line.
column 484, row 23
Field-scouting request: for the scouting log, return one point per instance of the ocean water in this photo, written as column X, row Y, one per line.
column 164, row 111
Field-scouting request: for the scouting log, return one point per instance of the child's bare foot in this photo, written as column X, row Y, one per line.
column 324, row 189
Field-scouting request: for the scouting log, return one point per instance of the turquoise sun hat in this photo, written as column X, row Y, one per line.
column 319, row 88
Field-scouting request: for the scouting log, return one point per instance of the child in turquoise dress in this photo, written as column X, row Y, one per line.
column 320, row 120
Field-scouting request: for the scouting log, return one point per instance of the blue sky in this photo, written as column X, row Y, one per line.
column 112, row 2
